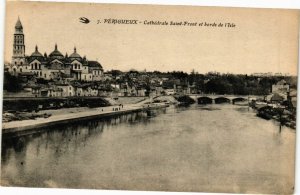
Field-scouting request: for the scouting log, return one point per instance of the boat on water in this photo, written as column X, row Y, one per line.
column 264, row 115
column 264, row 111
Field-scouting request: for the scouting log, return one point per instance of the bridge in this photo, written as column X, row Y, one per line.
column 221, row 99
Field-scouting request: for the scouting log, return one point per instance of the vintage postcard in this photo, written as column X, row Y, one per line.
column 149, row 97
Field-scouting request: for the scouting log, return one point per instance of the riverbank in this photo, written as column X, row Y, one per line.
column 73, row 114
column 60, row 110
column 276, row 112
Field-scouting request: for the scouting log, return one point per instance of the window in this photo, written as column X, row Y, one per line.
column 75, row 66
column 20, row 69
column 31, row 66
column 45, row 75
column 39, row 66
column 15, row 63
column 78, row 66
column 21, row 63
column 41, row 74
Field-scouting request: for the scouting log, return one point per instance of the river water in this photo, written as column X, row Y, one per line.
column 220, row 148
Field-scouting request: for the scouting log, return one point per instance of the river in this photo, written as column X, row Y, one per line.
column 219, row 148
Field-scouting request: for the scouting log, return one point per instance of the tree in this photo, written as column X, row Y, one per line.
column 11, row 83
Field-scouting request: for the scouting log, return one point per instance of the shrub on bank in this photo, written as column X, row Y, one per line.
column 33, row 104
column 184, row 99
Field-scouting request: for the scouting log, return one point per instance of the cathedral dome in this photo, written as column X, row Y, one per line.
column 36, row 53
column 56, row 54
column 75, row 56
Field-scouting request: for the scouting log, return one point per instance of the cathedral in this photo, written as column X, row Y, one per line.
column 52, row 66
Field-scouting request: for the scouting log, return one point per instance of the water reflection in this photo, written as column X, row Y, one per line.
column 197, row 148
column 61, row 138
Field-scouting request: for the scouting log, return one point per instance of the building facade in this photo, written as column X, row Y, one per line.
column 281, row 87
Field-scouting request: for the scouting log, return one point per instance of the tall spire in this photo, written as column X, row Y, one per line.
column 55, row 47
column 18, row 24
column 75, row 49
column 36, row 48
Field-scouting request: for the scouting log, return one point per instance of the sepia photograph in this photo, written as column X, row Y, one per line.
column 149, row 97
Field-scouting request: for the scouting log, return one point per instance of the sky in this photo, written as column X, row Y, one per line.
column 263, row 40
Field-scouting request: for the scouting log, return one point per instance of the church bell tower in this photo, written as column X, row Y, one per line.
column 18, row 57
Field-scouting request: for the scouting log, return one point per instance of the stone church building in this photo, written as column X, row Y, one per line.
column 52, row 66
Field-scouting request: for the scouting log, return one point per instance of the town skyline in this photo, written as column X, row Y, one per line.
column 125, row 47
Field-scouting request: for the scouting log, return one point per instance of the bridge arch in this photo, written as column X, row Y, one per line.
column 222, row 100
column 205, row 100
column 238, row 99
